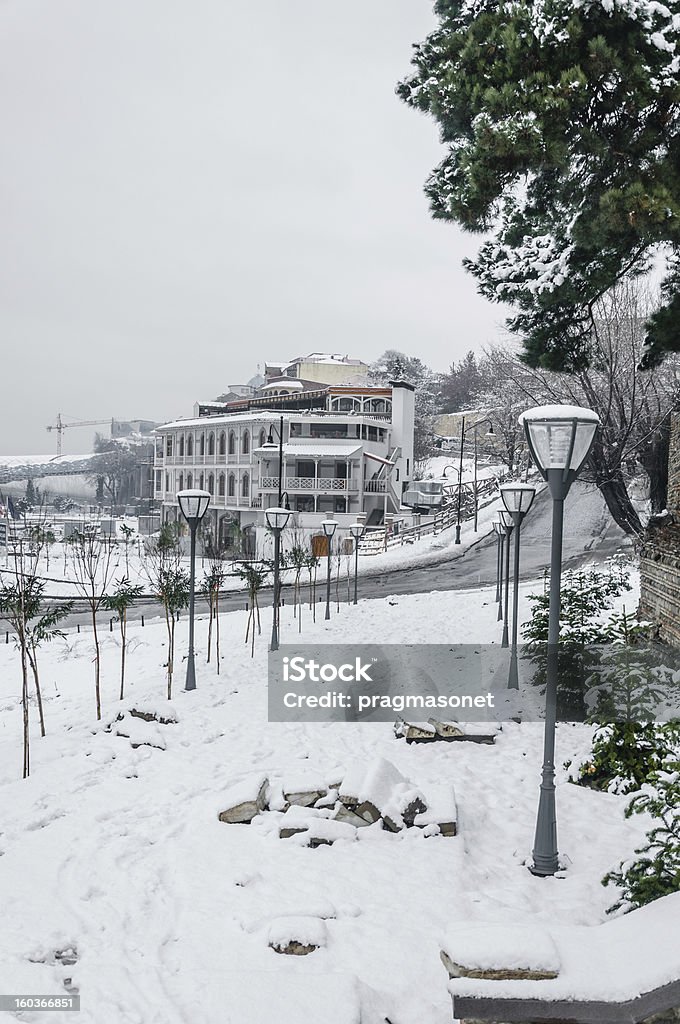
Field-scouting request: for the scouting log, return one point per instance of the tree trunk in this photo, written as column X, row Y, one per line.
column 619, row 504
column 97, row 661
column 123, row 622
column 217, row 629
column 33, row 661
column 210, row 622
column 653, row 458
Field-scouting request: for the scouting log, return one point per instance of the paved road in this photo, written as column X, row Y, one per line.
column 589, row 532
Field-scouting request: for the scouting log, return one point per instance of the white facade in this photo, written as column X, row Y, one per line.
column 353, row 453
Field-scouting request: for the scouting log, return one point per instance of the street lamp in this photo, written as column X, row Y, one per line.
column 329, row 528
column 193, row 505
column 507, row 525
column 357, row 530
column 499, row 530
column 559, row 438
column 517, row 499
column 490, row 433
column 277, row 518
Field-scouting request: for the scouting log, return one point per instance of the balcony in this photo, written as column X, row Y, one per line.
column 320, row 484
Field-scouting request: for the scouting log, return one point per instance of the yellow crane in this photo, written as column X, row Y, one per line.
column 60, row 427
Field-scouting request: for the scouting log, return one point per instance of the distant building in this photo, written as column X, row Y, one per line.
column 320, row 368
column 345, row 449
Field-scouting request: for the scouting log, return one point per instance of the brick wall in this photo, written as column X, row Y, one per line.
column 660, row 555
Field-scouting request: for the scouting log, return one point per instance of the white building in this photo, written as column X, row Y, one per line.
column 345, row 449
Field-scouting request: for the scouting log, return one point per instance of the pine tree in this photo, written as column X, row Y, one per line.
column 561, row 121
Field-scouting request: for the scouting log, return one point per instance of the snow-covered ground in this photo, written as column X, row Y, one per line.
column 117, row 852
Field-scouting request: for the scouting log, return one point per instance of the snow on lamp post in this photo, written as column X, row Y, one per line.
column 357, row 530
column 517, row 499
column 193, row 505
column 329, row 528
column 277, row 520
column 559, row 438
column 507, row 526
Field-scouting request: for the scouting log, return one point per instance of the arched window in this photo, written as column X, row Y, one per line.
column 245, row 485
column 220, row 484
column 263, row 437
column 190, row 444
column 201, row 445
column 232, row 443
column 190, row 481
column 211, row 443
column 211, row 482
column 223, row 443
column 201, row 482
column 181, row 444
column 232, row 485
column 181, row 482
column 245, row 443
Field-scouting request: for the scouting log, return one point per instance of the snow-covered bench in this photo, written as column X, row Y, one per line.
column 619, row 972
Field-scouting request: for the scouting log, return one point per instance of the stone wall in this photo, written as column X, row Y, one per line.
column 660, row 555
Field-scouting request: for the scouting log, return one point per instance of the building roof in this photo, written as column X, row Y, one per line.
column 323, row 446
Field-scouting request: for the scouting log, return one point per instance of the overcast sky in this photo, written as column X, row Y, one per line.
column 191, row 187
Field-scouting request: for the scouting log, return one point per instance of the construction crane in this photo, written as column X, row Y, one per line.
column 60, row 427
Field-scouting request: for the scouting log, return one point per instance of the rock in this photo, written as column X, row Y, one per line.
column 344, row 814
column 422, row 731
column 297, row 936
column 447, row 729
column 441, row 810
column 500, row 953
column 245, row 800
column 379, row 790
column 304, row 789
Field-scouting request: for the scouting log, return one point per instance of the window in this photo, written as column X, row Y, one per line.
column 245, row 485
column 211, row 480
column 263, row 437
column 159, row 480
column 232, row 443
column 211, row 443
column 223, row 445
column 159, row 447
column 181, row 482
column 372, row 434
column 305, row 469
column 167, row 482
column 201, row 446
column 190, row 481
column 407, row 466
column 245, row 443
column 232, row 485
column 220, row 483
column 181, row 444
column 168, row 445
column 201, row 482
column 190, row 444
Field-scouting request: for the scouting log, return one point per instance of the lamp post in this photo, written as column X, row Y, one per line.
column 271, row 445
column 500, row 537
column 559, row 438
column 329, row 528
column 517, row 499
column 277, row 518
column 193, row 505
column 507, row 524
column 357, row 530
column 460, row 478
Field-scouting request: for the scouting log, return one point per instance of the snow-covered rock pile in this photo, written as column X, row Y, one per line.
column 314, row 812
column 433, row 730
column 143, row 724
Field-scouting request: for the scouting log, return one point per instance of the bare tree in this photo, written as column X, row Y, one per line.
column 254, row 576
column 170, row 583
column 93, row 572
column 122, row 598
column 633, row 405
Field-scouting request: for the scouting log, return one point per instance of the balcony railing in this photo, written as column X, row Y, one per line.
column 374, row 486
column 308, row 483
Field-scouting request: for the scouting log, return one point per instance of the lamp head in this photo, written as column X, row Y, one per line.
column 518, row 498
column 329, row 527
column 193, row 505
column 277, row 518
column 560, row 438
